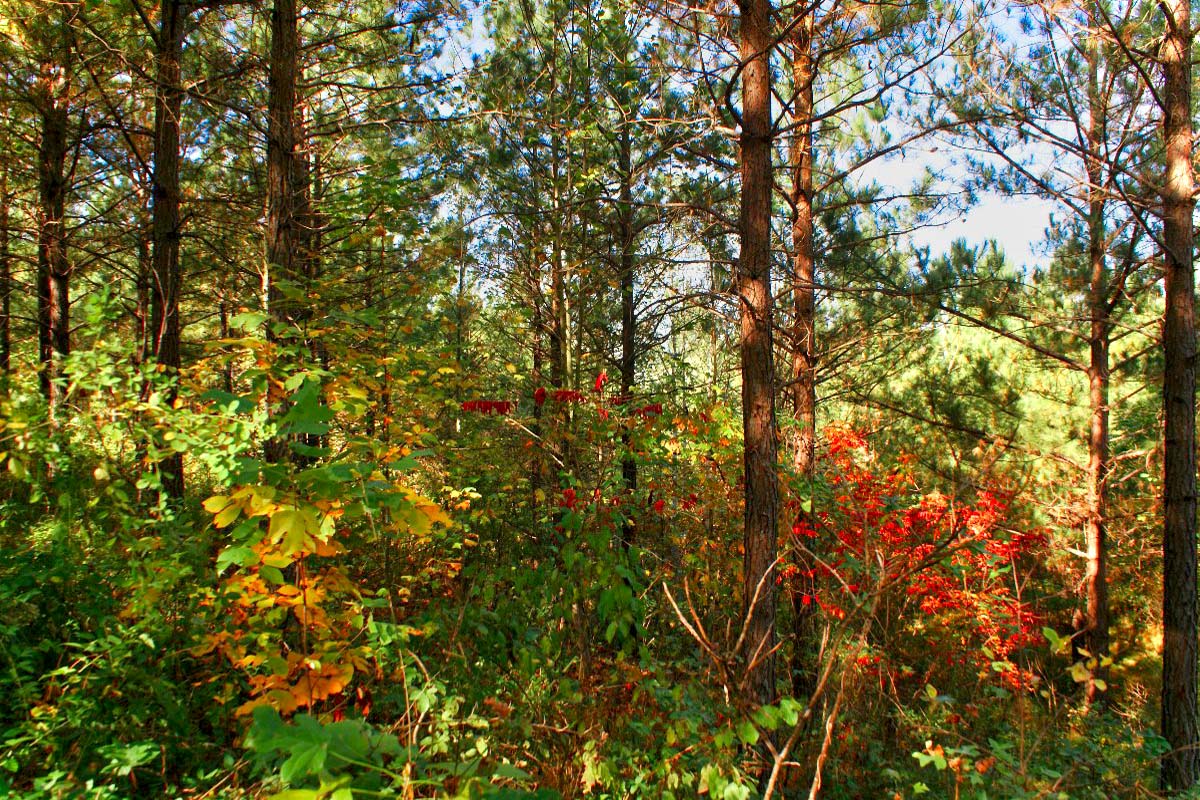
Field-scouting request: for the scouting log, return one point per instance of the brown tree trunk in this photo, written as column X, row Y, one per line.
column 223, row 312
column 1181, row 767
column 804, row 335
column 309, row 243
column 283, row 226
column 166, row 280
column 1096, row 579
column 283, row 234
column 54, row 272
column 537, row 325
column 757, row 354
column 141, row 314
column 5, row 286
column 628, row 319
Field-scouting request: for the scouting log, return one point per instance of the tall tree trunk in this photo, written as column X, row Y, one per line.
column 628, row 318
column 141, row 314
column 537, row 468
column 560, row 340
column 54, row 272
column 804, row 335
column 223, row 312
column 165, row 271
column 1181, row 767
column 309, row 242
column 283, row 225
column 283, row 234
column 5, row 286
column 757, row 353
column 1096, row 579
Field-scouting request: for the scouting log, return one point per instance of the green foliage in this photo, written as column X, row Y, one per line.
column 463, row 504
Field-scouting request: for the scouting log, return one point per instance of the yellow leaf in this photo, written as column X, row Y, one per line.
column 224, row 509
column 436, row 514
column 216, row 503
column 318, row 684
column 294, row 529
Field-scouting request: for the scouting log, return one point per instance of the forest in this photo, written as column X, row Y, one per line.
column 598, row 399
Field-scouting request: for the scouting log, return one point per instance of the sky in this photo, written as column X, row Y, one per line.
column 1018, row 224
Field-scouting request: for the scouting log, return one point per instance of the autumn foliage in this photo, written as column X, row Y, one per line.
column 941, row 575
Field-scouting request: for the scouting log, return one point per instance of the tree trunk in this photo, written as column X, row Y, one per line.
column 165, row 272
column 223, row 310
column 804, row 336
column 54, row 273
column 141, row 314
column 537, row 468
column 628, row 321
column 1096, row 578
column 1098, row 377
column 758, row 368
column 5, row 287
column 283, row 235
column 1181, row 767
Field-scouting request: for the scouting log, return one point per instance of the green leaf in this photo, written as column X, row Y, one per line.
column 248, row 321
column 1056, row 641
column 236, row 554
column 789, row 710
column 509, row 772
column 747, row 733
column 306, row 414
column 271, row 574
column 309, row 745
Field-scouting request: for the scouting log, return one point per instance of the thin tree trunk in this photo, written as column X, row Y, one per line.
column 5, row 286
column 223, row 300
column 758, row 368
column 165, row 271
column 629, row 472
column 309, row 243
column 804, row 336
column 537, row 324
column 1096, row 578
column 141, row 314
column 53, row 285
column 1181, row 767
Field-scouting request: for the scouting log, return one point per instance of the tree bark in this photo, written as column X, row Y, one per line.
column 1181, row 767
column 54, row 272
column 804, row 336
column 629, row 472
column 283, row 226
column 537, row 467
column 166, row 280
column 1096, row 579
column 757, row 356
column 5, row 286
column 141, row 314
column 283, row 233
